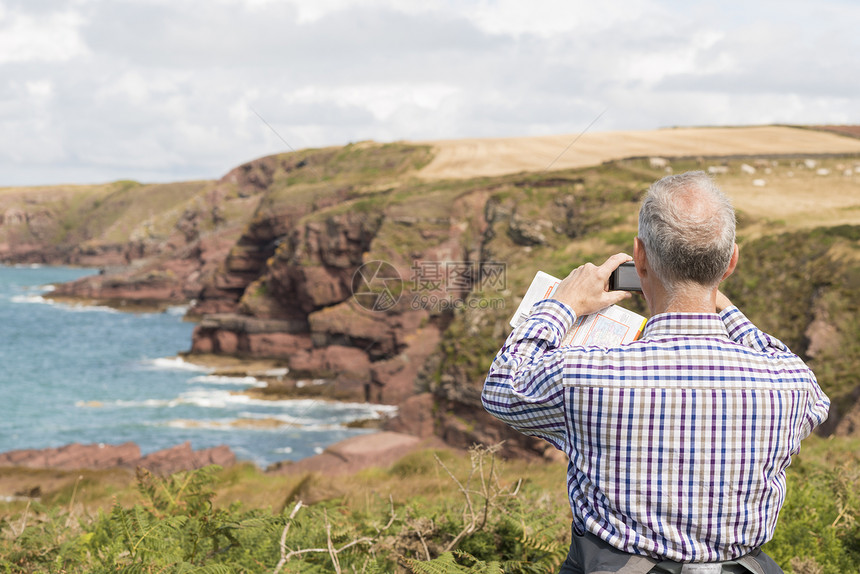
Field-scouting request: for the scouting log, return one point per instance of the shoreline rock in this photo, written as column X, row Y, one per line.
column 76, row 456
column 351, row 455
column 348, row 456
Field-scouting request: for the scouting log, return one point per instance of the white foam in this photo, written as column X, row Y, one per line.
column 283, row 418
column 306, row 414
column 146, row 403
column 222, row 380
column 174, row 364
column 72, row 307
column 30, row 299
column 28, row 266
column 84, row 308
column 213, row 399
column 243, row 424
column 278, row 372
column 314, row 383
column 195, row 424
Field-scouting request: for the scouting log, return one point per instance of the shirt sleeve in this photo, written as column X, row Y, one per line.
column 523, row 387
column 741, row 330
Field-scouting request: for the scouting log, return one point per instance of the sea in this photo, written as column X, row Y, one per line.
column 90, row 374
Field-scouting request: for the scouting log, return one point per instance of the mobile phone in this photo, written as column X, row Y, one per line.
column 625, row 278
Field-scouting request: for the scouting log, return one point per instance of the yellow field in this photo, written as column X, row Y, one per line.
column 466, row 158
column 788, row 193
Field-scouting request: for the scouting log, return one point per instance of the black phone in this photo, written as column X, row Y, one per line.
column 625, row 278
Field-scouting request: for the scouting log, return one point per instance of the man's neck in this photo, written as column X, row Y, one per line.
column 687, row 300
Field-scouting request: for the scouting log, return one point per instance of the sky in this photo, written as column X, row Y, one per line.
column 93, row 91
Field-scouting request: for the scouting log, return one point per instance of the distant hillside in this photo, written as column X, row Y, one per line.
column 272, row 254
column 468, row 158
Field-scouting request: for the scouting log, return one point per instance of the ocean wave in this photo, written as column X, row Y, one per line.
column 84, row 308
column 224, row 380
column 203, row 398
column 312, row 383
column 295, row 412
column 146, row 403
column 174, row 364
column 30, row 298
column 282, row 419
column 321, row 409
column 245, row 424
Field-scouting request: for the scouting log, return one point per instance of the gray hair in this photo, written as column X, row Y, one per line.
column 687, row 225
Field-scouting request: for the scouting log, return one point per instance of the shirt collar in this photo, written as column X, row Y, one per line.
column 690, row 324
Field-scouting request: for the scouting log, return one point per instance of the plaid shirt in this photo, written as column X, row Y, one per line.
column 678, row 442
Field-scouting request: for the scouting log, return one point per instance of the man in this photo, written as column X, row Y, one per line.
column 678, row 442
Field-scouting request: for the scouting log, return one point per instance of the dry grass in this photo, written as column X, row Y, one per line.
column 795, row 197
column 416, row 479
column 467, row 158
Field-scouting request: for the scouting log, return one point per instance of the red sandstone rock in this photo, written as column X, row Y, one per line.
column 461, row 426
column 277, row 344
column 201, row 343
column 103, row 456
column 220, row 455
column 74, row 456
column 396, row 377
column 414, row 416
column 353, row 454
column 182, row 458
column 226, row 342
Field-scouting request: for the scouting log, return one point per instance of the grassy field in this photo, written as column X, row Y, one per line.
column 470, row 158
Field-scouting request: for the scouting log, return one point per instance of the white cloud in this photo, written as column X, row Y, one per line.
column 551, row 18
column 52, row 38
column 381, row 100
column 40, row 89
column 168, row 89
column 310, row 11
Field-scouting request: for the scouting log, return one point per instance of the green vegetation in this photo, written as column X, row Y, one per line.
column 432, row 511
column 109, row 214
column 458, row 507
column 819, row 526
column 325, row 177
column 802, row 286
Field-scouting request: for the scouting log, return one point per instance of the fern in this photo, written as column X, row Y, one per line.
column 443, row 564
column 447, row 563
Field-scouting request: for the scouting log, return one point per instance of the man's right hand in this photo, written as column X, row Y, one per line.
column 586, row 288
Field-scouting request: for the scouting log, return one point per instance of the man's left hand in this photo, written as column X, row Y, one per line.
column 586, row 288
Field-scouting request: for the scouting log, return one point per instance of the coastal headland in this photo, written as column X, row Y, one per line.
column 387, row 273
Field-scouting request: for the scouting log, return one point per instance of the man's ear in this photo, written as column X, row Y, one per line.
column 640, row 259
column 733, row 262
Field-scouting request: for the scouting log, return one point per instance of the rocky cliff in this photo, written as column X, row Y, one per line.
column 371, row 284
